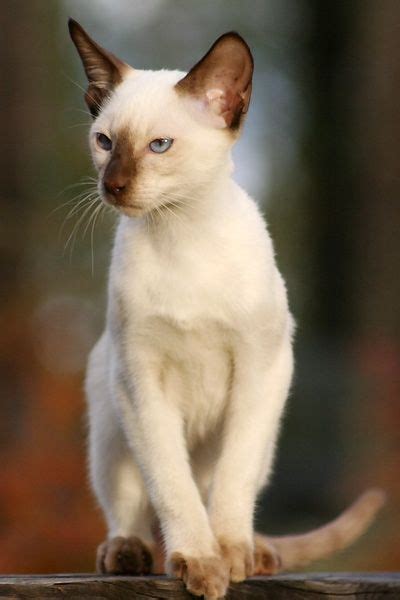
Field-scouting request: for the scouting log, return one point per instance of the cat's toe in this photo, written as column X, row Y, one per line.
column 121, row 555
column 203, row 576
column 266, row 559
column 238, row 556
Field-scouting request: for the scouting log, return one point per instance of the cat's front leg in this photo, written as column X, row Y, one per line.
column 154, row 429
column 258, row 396
column 116, row 480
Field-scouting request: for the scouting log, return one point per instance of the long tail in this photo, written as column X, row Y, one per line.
column 293, row 551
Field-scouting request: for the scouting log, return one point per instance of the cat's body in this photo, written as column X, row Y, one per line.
column 188, row 382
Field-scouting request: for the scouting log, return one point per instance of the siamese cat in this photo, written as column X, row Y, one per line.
column 187, row 384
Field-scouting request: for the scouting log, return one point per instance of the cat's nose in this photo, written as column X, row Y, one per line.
column 114, row 186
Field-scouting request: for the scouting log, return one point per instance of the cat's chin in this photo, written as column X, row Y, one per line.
column 136, row 210
column 132, row 211
column 129, row 210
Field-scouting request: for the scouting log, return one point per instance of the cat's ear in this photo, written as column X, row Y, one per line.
column 221, row 81
column 104, row 70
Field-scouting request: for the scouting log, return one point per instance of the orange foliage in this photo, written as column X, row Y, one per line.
column 49, row 521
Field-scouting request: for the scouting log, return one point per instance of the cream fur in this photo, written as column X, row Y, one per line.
column 187, row 385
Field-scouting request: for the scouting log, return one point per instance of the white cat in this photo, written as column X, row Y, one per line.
column 187, row 384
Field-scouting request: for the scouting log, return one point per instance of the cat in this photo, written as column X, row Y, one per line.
column 187, row 385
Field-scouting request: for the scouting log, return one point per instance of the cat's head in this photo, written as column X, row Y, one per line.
column 161, row 137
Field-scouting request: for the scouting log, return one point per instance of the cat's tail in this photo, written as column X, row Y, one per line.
column 293, row 551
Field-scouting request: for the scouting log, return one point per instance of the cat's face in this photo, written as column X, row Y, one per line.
column 160, row 138
column 145, row 142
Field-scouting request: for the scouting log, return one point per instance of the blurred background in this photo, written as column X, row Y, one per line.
column 320, row 153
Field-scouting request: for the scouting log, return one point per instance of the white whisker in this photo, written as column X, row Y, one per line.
column 83, row 90
column 85, row 123
column 73, row 234
column 78, row 206
column 87, row 226
column 173, row 213
column 96, row 213
column 85, row 182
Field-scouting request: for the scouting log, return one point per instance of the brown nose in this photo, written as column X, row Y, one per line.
column 115, row 185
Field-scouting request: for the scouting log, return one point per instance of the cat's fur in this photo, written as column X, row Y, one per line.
column 187, row 384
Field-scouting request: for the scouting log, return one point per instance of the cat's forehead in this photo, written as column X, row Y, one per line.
column 145, row 103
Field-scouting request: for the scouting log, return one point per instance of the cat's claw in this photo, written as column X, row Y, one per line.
column 203, row 576
column 121, row 555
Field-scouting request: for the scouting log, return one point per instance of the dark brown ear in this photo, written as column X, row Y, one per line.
column 221, row 80
column 104, row 70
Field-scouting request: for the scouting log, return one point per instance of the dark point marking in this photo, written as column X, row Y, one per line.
column 103, row 69
column 228, row 64
column 121, row 170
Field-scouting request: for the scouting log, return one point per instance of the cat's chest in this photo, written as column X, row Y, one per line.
column 193, row 366
column 180, row 318
column 189, row 287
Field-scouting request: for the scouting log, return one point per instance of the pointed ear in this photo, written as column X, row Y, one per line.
column 221, row 80
column 104, row 70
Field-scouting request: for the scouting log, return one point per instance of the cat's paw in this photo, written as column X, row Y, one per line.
column 203, row 576
column 121, row 555
column 266, row 559
column 239, row 558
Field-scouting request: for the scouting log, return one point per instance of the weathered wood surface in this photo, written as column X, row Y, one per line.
column 309, row 586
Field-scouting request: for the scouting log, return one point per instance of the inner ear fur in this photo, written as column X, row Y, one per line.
column 222, row 78
column 103, row 70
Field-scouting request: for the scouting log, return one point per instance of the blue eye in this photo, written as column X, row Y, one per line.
column 103, row 141
column 160, row 145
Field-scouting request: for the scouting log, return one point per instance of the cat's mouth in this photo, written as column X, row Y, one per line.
column 131, row 207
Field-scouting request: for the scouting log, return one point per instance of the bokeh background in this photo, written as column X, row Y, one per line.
column 320, row 152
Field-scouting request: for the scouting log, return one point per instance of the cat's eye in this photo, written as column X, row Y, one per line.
column 103, row 141
column 160, row 145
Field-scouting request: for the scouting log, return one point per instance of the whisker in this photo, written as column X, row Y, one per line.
column 82, row 220
column 173, row 213
column 182, row 199
column 153, row 218
column 88, row 196
column 85, row 123
column 179, row 197
column 91, row 190
column 85, row 181
column 85, row 207
column 83, row 89
column 81, row 110
column 158, row 211
column 77, row 225
column 76, row 209
column 150, row 220
column 90, row 219
column 97, row 212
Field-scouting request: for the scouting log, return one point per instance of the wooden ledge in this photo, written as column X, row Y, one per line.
column 327, row 586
